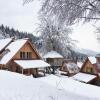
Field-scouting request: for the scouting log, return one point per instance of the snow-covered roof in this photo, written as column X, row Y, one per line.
column 53, row 54
column 79, row 64
column 72, row 67
column 4, row 43
column 13, row 48
column 32, row 63
column 83, row 77
column 92, row 60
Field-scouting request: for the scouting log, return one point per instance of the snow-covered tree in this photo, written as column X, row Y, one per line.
column 56, row 16
column 98, row 33
column 55, row 38
column 70, row 11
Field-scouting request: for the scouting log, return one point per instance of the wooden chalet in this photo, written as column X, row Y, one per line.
column 69, row 67
column 90, row 68
column 54, row 59
column 21, row 56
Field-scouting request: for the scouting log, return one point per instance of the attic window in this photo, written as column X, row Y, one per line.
column 25, row 55
column 22, row 55
column 29, row 55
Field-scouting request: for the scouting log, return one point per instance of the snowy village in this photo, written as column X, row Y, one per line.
column 50, row 50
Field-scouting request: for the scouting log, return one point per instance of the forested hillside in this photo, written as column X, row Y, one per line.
column 5, row 31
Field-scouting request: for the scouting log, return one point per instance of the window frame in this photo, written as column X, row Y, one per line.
column 25, row 55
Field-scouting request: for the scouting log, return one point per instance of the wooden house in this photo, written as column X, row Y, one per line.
column 69, row 67
column 90, row 71
column 91, row 66
column 54, row 59
column 21, row 56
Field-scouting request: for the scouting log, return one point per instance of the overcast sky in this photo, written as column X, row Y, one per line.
column 25, row 18
column 14, row 14
column 85, row 34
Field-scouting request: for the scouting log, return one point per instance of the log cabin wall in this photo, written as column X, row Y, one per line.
column 55, row 61
column 12, row 66
column 33, row 71
column 89, row 68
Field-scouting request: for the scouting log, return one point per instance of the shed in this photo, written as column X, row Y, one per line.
column 70, row 67
column 54, row 58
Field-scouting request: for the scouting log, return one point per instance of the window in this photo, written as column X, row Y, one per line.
column 25, row 55
column 89, row 70
column 21, row 54
column 30, row 54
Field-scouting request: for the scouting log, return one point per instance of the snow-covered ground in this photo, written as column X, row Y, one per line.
column 76, row 89
column 15, row 86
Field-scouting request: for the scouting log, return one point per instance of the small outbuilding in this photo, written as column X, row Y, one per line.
column 69, row 67
column 54, row 58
